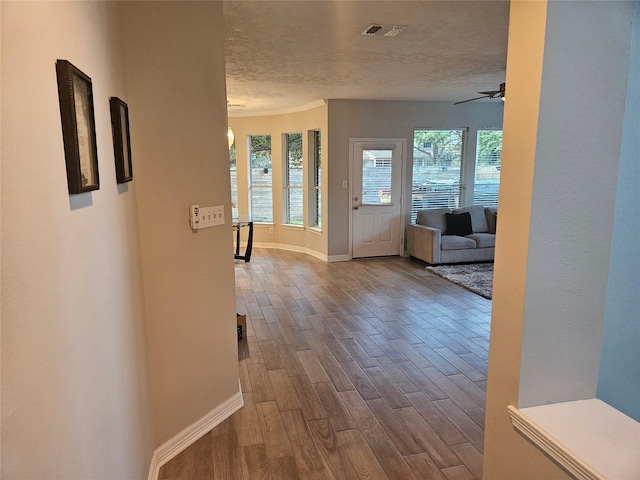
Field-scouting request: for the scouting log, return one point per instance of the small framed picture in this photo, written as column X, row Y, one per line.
column 121, row 139
column 78, row 128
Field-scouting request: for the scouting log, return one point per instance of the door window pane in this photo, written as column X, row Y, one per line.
column 376, row 177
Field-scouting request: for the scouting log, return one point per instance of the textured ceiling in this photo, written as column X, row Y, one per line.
column 282, row 55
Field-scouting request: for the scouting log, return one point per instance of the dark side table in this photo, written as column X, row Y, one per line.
column 237, row 226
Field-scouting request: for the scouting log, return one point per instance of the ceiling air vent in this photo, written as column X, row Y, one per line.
column 372, row 29
column 395, row 30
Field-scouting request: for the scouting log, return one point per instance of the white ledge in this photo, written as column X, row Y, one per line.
column 590, row 439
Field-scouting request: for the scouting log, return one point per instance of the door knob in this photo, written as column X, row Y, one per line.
column 356, row 207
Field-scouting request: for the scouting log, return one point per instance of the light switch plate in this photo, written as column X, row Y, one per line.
column 211, row 216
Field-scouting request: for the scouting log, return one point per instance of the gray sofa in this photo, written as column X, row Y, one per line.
column 430, row 239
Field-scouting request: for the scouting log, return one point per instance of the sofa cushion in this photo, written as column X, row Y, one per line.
column 478, row 218
column 483, row 240
column 455, row 242
column 492, row 217
column 433, row 217
column 458, row 224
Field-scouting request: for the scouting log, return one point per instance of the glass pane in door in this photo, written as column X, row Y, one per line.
column 376, row 177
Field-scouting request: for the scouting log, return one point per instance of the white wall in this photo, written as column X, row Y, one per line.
column 380, row 119
column 176, row 80
column 75, row 398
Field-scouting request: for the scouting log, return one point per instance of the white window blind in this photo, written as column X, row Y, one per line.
column 437, row 169
column 488, row 157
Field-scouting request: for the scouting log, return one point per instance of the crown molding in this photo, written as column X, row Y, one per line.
column 282, row 111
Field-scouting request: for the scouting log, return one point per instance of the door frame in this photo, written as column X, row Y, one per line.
column 403, row 151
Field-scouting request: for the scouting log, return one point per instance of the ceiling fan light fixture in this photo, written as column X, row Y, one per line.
column 500, row 93
column 230, row 137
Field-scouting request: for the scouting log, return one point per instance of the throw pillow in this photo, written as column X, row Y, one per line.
column 459, row 224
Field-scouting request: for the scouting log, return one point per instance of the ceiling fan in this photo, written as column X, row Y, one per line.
column 500, row 93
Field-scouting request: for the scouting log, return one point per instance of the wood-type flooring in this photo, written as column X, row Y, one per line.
column 368, row 369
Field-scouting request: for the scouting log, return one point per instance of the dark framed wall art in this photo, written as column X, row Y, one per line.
column 121, row 139
column 75, row 93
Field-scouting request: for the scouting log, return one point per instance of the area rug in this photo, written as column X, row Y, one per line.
column 475, row 277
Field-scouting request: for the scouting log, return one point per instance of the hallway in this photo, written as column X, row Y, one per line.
column 372, row 369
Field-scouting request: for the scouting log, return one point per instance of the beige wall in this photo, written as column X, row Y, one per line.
column 296, row 238
column 75, row 399
column 506, row 453
column 176, row 81
column 118, row 321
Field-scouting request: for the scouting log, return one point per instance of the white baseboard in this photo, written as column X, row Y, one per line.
column 339, row 258
column 192, row 433
column 295, row 248
column 305, row 250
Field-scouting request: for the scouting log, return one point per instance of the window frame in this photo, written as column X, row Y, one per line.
column 233, row 177
column 315, row 179
column 453, row 194
column 288, row 189
column 251, row 186
column 487, row 200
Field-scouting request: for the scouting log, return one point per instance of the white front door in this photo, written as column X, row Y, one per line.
column 376, row 197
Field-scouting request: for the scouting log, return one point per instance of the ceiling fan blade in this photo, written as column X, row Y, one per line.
column 471, row 99
column 500, row 93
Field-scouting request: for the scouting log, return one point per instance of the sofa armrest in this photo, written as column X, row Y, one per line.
column 423, row 242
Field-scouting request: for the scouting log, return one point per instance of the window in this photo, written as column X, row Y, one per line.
column 376, row 176
column 294, row 187
column 261, row 179
column 437, row 169
column 488, row 156
column 234, row 178
column 315, row 204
